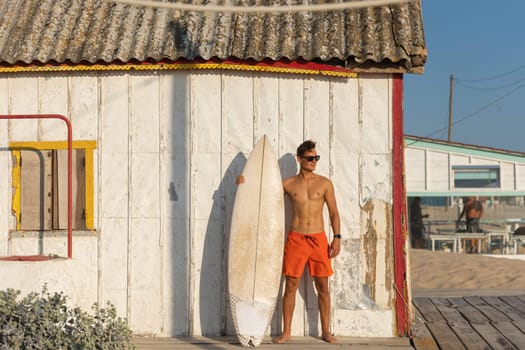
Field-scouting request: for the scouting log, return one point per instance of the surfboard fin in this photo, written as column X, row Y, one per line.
column 250, row 320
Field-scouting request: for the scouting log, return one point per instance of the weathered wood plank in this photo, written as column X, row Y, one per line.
column 492, row 313
column 5, row 159
column 83, row 102
column 205, row 227
column 265, row 110
column 511, row 332
column 468, row 336
column 514, row 302
column 520, row 324
column 144, row 204
column 375, row 119
column 23, row 99
column 495, row 339
column 4, row 193
column 112, row 191
column 296, row 342
column 53, row 93
column 521, row 297
column 238, row 118
column 472, row 322
column 428, row 310
column 511, row 312
column 444, row 336
column 36, row 186
column 461, row 327
column 422, row 338
column 449, row 312
column 468, row 311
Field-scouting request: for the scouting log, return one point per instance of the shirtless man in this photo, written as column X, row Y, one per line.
column 472, row 210
column 307, row 241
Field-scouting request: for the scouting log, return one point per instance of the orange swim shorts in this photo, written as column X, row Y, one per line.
column 307, row 248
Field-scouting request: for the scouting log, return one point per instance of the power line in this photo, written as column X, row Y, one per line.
column 490, row 88
column 494, row 76
column 262, row 9
column 479, row 110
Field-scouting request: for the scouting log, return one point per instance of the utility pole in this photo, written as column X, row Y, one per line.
column 450, row 98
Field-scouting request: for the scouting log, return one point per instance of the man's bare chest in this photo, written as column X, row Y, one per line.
column 306, row 194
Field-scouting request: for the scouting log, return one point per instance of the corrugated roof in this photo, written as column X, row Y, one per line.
column 94, row 31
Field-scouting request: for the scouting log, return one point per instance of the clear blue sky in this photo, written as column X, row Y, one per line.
column 473, row 40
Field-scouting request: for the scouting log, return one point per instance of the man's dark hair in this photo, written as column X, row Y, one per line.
column 305, row 147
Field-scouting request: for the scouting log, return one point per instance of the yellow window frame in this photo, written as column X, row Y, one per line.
column 88, row 146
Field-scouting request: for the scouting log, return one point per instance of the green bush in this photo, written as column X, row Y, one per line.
column 43, row 321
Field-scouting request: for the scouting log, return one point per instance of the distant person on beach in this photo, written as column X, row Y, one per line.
column 417, row 228
column 472, row 210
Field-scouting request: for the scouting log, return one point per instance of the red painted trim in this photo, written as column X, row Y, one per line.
column 399, row 208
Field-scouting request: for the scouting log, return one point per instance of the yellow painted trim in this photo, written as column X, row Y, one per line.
column 88, row 146
column 176, row 66
column 16, row 187
column 89, row 190
column 40, row 145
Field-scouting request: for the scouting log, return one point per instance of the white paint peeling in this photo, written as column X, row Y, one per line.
column 382, row 295
column 375, row 178
column 362, row 323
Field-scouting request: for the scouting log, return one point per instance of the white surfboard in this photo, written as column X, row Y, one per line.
column 256, row 245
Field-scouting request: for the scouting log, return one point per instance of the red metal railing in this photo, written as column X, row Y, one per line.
column 69, row 171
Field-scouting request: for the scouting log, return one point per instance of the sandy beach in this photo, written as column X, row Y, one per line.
column 445, row 270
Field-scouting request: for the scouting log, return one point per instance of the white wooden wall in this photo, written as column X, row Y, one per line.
column 429, row 170
column 169, row 147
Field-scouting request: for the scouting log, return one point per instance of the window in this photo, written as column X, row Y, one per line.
column 476, row 176
column 40, row 185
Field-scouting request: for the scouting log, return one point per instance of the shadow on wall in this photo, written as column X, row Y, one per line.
column 178, row 241
column 215, row 318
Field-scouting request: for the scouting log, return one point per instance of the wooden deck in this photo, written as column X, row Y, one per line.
column 304, row 343
column 469, row 322
column 448, row 320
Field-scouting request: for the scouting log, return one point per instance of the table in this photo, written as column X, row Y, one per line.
column 482, row 241
column 515, row 242
column 478, row 240
column 438, row 237
column 503, row 238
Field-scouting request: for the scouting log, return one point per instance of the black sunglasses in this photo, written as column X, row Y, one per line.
column 312, row 158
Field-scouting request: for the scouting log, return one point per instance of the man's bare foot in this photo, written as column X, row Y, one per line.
column 282, row 339
column 329, row 338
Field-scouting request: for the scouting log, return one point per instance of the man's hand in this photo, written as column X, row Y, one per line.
column 335, row 247
column 240, row 180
